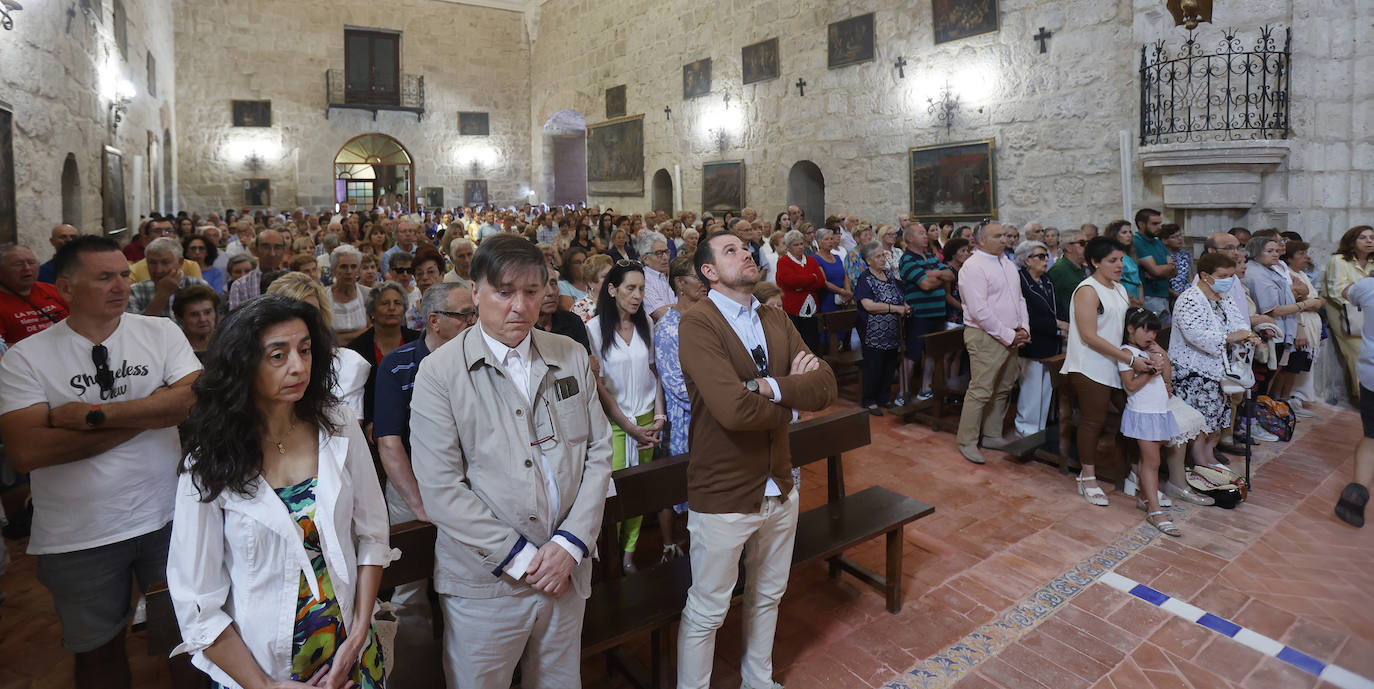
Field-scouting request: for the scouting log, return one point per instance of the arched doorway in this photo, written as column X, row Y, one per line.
column 663, row 192
column 71, row 192
column 806, row 188
column 374, row 170
column 565, row 157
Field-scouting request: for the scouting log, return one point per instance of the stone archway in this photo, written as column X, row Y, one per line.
column 71, row 192
column 372, row 170
column 806, row 188
column 565, row 157
column 662, row 198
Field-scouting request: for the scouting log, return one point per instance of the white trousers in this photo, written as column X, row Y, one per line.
column 765, row 538
column 1033, row 404
column 484, row 639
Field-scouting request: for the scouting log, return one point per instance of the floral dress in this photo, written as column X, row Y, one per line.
column 319, row 623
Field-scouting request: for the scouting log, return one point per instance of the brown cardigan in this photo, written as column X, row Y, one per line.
column 739, row 438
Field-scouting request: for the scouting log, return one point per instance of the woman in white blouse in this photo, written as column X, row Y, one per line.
column 346, row 296
column 280, row 532
column 628, row 386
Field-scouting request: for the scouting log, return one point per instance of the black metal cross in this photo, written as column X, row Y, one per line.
column 1042, row 37
column 668, row 112
column 900, row 64
column 801, row 85
column 727, row 101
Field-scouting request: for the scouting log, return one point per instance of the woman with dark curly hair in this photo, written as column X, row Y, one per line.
column 280, row 532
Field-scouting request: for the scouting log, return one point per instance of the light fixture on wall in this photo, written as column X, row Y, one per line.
column 945, row 108
column 7, row 6
column 253, row 161
column 1188, row 13
column 123, row 94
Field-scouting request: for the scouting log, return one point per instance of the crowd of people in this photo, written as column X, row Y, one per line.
column 206, row 404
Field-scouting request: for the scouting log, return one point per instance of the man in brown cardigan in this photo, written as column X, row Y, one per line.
column 747, row 370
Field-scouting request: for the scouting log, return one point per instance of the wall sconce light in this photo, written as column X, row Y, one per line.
column 1188, row 13
column 124, row 93
column 253, row 161
column 945, row 108
column 7, row 6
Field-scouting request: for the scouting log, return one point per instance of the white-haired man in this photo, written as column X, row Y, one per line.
column 153, row 297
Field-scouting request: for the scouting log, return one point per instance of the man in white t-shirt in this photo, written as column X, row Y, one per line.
column 90, row 407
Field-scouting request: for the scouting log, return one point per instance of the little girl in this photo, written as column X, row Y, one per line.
column 1147, row 417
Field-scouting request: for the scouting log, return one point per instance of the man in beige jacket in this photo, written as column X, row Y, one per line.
column 512, row 454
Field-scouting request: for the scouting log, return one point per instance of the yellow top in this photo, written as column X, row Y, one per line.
column 138, row 272
column 1340, row 274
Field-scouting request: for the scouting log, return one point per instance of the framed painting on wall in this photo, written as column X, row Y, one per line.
column 953, row 181
column 615, row 102
column 956, row 19
column 474, row 124
column 696, row 79
column 433, row 196
column 615, row 157
column 760, row 61
column 722, row 186
column 475, row 192
column 114, row 217
column 252, row 113
column 852, row 41
column 9, row 219
column 257, row 193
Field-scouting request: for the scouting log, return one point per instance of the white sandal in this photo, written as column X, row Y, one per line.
column 1131, row 486
column 1093, row 495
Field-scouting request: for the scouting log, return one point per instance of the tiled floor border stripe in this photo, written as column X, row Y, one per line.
column 1331, row 673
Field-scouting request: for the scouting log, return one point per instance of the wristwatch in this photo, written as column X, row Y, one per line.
column 752, row 386
column 95, row 417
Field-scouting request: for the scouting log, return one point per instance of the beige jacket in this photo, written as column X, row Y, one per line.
column 482, row 481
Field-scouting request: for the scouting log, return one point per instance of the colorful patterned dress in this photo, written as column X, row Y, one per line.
column 319, row 623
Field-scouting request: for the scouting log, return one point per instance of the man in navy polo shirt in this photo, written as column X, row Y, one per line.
column 447, row 309
column 1156, row 267
column 923, row 279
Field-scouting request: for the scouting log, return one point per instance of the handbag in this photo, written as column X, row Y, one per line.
column 1352, row 319
column 1275, row 416
column 1221, row 484
column 1238, row 375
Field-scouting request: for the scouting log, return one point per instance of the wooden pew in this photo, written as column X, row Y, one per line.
column 846, row 365
column 934, row 412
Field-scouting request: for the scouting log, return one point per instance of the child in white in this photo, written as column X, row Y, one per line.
column 1147, row 417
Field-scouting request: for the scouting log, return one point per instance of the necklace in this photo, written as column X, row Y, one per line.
column 281, row 447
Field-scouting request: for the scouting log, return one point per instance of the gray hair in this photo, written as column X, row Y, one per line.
column 331, row 242
column 867, row 250
column 343, row 250
column 1024, row 249
column 436, row 298
column 164, row 246
column 240, row 258
column 823, row 233
column 793, row 236
column 691, row 231
column 375, row 294
column 1256, row 245
column 647, row 241
column 460, row 241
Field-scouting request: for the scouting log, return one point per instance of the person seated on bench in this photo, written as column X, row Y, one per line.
column 277, row 501
column 739, row 487
column 512, row 453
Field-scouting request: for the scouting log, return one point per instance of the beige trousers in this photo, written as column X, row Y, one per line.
column 765, row 538
column 992, row 372
column 484, row 639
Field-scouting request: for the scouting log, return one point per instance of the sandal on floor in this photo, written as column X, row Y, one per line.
column 1166, row 527
column 1131, row 486
column 1351, row 506
column 1093, row 495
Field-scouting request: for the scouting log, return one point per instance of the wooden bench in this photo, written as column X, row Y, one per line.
column 934, row 412
column 835, row 327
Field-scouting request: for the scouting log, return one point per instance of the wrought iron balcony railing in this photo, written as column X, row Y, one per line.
column 340, row 93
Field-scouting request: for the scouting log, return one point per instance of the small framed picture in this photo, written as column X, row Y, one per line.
column 252, row 113
column 696, row 79
column 257, row 193
column 473, row 124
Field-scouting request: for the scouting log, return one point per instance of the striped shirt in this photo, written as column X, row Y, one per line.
column 912, row 270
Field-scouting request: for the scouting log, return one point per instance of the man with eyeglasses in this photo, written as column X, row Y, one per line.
column 1066, row 273
column 447, row 310
column 270, row 249
column 89, row 407
column 658, row 294
column 154, row 230
column 27, row 306
column 406, row 235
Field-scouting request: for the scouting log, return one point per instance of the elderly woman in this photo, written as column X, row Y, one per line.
column 881, row 307
column 594, row 271
column 831, row 259
column 689, row 290
column 801, row 279
column 1349, row 264
column 854, row 264
column 622, row 249
column 772, row 251
column 1295, row 257
column 280, row 531
column 386, row 309
column 1046, row 333
column 349, row 368
column 887, row 236
column 346, row 296
column 1271, row 287
column 238, row 266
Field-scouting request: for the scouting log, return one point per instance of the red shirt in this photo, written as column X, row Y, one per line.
column 18, row 319
column 134, row 251
column 798, row 282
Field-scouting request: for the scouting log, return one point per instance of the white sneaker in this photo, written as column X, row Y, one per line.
column 1300, row 411
column 1258, row 433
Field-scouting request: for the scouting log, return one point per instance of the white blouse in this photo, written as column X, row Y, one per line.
column 1111, row 321
column 625, row 370
column 349, row 315
column 239, row 560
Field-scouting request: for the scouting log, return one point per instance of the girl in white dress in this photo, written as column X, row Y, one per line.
column 1147, row 418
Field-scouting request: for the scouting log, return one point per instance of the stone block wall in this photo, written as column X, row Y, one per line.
column 472, row 59
column 59, row 66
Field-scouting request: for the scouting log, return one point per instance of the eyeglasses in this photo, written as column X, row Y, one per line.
column 661, row 253
column 104, row 377
column 403, row 271
column 629, row 263
column 468, row 316
column 1038, row 256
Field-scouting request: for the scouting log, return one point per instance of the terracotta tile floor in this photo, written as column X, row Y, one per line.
column 1280, row 564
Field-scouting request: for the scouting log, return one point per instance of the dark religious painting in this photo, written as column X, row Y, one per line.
column 475, row 192
column 760, row 61
column 9, row 224
column 615, row 158
column 722, row 186
column 954, row 181
column 433, row 197
column 114, row 218
column 252, row 113
column 473, row 124
column 956, row 19
column 615, row 102
column 696, row 79
column 852, row 41
column 257, row 193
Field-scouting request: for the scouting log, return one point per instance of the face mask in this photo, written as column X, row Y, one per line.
column 1223, row 285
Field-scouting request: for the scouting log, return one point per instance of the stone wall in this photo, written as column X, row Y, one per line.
column 60, row 67
column 473, row 59
column 1056, row 117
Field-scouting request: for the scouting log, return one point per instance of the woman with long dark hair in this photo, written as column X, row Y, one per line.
column 280, row 532
column 628, row 385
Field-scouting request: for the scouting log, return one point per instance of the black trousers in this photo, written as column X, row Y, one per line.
column 810, row 331
column 878, row 367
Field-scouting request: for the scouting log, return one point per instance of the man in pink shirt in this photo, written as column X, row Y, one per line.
column 995, row 326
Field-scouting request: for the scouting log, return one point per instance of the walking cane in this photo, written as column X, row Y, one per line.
column 903, row 384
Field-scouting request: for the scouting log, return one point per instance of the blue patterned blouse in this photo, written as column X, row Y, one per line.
column 670, row 376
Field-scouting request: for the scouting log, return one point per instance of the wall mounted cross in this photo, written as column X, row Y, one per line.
column 900, row 64
column 1042, row 37
column 801, row 86
column 668, row 112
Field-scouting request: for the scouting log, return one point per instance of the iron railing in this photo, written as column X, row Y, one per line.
column 1226, row 93
column 410, row 97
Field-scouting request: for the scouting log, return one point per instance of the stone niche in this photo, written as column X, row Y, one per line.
column 1214, row 174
